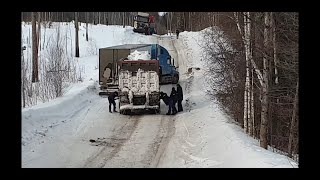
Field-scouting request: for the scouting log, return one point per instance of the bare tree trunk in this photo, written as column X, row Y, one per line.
column 35, row 77
column 264, row 103
column 246, row 42
column 99, row 18
column 77, row 34
column 111, row 18
column 92, row 17
column 171, row 22
column 191, row 23
column 23, row 81
column 87, row 38
column 71, row 40
column 39, row 32
column 66, row 41
column 123, row 19
column 248, row 128
column 44, row 36
column 252, row 105
column 274, row 48
column 293, row 120
column 167, row 23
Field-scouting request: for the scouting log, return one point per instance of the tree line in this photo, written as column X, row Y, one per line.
column 255, row 64
column 257, row 80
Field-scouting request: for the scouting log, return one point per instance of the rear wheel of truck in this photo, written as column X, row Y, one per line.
column 175, row 79
column 126, row 112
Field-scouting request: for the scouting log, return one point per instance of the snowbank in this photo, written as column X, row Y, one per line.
column 205, row 136
column 38, row 120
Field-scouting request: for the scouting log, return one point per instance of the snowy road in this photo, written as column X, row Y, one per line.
column 58, row 133
column 120, row 141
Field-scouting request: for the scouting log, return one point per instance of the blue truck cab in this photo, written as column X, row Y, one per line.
column 168, row 72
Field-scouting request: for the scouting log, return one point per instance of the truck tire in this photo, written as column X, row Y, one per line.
column 175, row 79
column 127, row 112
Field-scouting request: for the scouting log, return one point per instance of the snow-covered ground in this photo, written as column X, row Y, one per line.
column 58, row 133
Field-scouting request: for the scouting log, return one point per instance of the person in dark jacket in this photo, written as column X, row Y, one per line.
column 180, row 97
column 172, row 102
column 111, row 100
column 177, row 32
column 146, row 29
column 165, row 98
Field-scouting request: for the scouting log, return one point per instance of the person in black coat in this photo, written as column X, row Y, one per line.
column 112, row 101
column 146, row 29
column 172, row 102
column 165, row 98
column 177, row 32
column 180, row 97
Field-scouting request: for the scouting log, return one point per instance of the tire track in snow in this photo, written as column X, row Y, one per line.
column 164, row 141
column 155, row 151
column 111, row 148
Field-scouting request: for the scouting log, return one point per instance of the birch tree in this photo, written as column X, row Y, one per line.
column 86, row 17
column 39, row 32
column 274, row 48
column 265, row 84
column 293, row 120
column 35, row 77
column 77, row 33
column 247, row 92
column 123, row 19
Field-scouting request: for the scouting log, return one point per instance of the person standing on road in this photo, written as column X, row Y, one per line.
column 172, row 102
column 177, row 32
column 180, row 97
column 112, row 101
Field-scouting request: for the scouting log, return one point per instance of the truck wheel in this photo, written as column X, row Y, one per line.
column 127, row 112
column 175, row 79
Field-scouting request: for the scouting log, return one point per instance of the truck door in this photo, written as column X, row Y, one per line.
column 154, row 52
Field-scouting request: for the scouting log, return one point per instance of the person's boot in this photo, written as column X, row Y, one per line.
column 168, row 113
